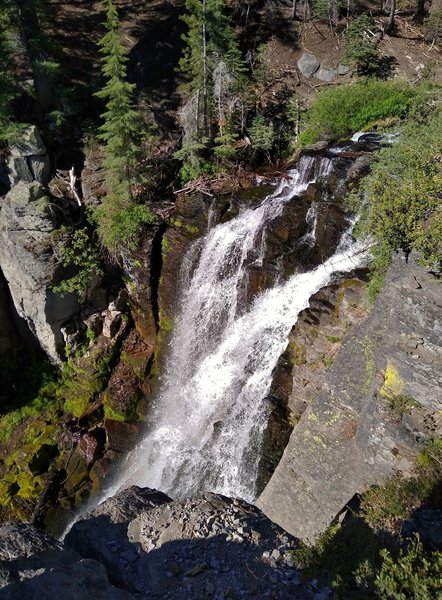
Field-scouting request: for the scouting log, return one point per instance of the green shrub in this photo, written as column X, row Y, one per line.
column 360, row 48
column 402, row 405
column 386, row 506
column 262, row 135
column 120, row 222
column 381, row 260
column 339, row 111
column 344, row 557
column 80, row 253
column 412, row 575
column 433, row 25
column 404, row 193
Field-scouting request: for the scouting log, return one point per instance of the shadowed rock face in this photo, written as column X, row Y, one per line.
column 348, row 437
column 148, row 546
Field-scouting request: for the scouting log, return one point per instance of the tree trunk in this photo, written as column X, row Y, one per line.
column 420, row 12
column 205, row 99
column 390, row 24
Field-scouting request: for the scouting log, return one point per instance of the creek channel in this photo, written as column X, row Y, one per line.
column 211, row 410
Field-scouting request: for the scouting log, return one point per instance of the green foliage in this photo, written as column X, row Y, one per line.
column 45, row 398
column 401, row 404
column 120, row 222
column 119, row 218
column 364, row 557
column 83, row 377
column 224, row 148
column 405, row 190
column 381, row 260
column 433, row 25
column 9, row 129
column 261, row 132
column 80, row 253
column 23, row 372
column 411, row 575
column 28, row 433
column 212, row 64
column 334, row 339
column 328, row 10
column 340, row 555
column 337, row 112
column 165, row 323
column 360, row 48
column 386, row 506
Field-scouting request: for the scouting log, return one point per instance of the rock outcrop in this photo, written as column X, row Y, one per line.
column 29, row 160
column 28, row 220
column 367, row 415
column 148, row 546
column 34, row 565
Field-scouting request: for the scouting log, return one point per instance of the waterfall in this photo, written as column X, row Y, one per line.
column 211, row 412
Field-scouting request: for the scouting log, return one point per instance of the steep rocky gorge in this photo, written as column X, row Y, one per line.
column 304, row 234
column 351, row 398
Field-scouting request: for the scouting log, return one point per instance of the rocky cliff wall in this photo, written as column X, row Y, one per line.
column 364, row 411
column 28, row 220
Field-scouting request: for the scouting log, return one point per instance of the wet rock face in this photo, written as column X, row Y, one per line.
column 141, row 276
column 350, row 434
column 27, row 223
column 306, row 232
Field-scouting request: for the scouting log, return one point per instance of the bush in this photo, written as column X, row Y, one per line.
column 262, row 135
column 360, row 49
column 411, row 575
column 120, row 222
column 80, row 253
column 385, row 506
column 405, row 193
column 337, row 112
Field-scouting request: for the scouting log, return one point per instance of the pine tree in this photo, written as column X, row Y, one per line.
column 121, row 127
column 9, row 129
column 360, row 49
column 213, row 65
column 119, row 218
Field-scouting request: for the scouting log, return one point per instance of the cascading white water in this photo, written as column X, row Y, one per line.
column 210, row 413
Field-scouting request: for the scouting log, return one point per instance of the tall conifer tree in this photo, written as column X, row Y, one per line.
column 121, row 127
column 212, row 63
column 119, row 217
column 9, row 129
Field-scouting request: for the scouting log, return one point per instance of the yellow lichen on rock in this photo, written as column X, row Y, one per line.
column 393, row 384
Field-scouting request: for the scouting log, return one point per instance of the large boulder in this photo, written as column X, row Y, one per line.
column 29, row 160
column 148, row 546
column 27, row 225
column 207, row 547
column 28, row 143
column 33, row 565
column 308, row 64
column 351, row 432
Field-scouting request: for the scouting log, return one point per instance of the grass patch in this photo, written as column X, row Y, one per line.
column 340, row 111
